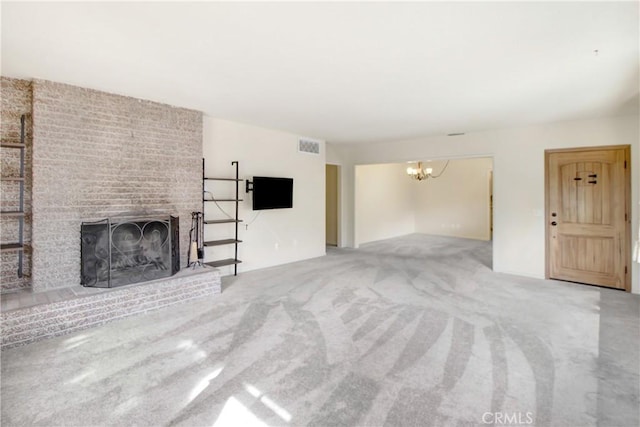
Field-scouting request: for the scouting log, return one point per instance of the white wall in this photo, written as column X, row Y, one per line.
column 270, row 237
column 456, row 203
column 383, row 202
column 519, row 223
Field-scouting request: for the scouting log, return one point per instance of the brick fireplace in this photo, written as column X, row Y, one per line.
column 98, row 155
column 93, row 156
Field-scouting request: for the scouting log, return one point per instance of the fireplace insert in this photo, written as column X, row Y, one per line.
column 117, row 252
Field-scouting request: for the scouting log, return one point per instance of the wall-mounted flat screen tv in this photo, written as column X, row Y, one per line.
column 272, row 193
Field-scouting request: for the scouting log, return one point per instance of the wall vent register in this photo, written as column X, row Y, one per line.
column 308, row 146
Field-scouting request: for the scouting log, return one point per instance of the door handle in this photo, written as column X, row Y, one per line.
column 554, row 223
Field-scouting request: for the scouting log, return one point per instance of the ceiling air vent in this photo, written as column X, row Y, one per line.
column 309, row 146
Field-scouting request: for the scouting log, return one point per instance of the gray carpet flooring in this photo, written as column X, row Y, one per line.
column 411, row 331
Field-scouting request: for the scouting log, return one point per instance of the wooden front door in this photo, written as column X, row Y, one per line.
column 588, row 216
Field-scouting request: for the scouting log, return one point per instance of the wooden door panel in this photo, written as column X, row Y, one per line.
column 592, row 254
column 583, row 201
column 587, row 216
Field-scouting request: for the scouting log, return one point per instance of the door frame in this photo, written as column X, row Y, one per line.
column 627, row 207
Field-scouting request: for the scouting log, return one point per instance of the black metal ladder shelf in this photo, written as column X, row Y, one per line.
column 19, row 213
column 231, row 241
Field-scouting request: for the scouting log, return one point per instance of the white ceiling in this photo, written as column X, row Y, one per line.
column 343, row 72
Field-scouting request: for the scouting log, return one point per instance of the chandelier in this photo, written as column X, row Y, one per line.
column 419, row 173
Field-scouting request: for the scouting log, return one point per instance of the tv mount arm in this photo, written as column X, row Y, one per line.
column 248, row 186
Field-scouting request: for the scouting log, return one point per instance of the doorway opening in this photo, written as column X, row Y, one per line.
column 332, row 191
column 454, row 202
column 491, row 204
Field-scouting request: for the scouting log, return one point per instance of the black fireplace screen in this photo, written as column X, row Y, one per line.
column 122, row 252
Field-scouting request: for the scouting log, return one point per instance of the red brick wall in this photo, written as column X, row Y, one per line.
column 16, row 100
column 98, row 155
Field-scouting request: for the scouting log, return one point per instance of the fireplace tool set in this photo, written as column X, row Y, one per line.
column 196, row 240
